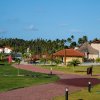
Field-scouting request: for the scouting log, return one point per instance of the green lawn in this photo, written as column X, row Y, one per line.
column 83, row 95
column 9, row 78
column 76, row 70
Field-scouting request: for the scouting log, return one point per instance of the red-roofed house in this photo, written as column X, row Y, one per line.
column 69, row 54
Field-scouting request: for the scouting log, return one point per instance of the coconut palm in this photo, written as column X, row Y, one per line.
column 74, row 62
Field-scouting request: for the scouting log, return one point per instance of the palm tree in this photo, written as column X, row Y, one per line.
column 72, row 36
column 80, row 41
column 73, row 44
column 83, row 40
column 74, row 63
column 69, row 40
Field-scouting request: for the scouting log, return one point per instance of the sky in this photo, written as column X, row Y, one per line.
column 49, row 19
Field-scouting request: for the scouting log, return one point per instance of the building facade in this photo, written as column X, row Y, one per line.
column 96, row 45
column 68, row 55
column 91, row 53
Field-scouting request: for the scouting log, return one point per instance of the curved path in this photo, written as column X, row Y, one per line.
column 47, row 91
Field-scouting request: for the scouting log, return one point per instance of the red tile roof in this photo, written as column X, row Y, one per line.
column 69, row 53
column 97, row 41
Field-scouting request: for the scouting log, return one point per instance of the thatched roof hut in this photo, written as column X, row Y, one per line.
column 86, row 47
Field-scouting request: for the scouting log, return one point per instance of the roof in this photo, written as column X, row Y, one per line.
column 97, row 41
column 86, row 47
column 69, row 53
column 8, row 47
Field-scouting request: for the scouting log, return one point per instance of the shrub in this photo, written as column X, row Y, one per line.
column 74, row 62
column 57, row 61
column 43, row 60
column 98, row 60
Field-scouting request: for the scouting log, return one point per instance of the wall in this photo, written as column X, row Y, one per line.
column 7, row 50
column 97, row 47
column 93, row 56
column 1, row 50
column 71, row 58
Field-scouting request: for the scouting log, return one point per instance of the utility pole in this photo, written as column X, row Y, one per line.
column 65, row 56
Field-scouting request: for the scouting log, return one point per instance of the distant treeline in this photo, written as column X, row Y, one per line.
column 42, row 46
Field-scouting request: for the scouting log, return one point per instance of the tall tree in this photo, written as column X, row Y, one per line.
column 83, row 40
column 73, row 44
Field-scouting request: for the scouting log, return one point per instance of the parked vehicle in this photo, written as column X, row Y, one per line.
column 18, row 56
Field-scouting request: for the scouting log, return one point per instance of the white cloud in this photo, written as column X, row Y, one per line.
column 31, row 28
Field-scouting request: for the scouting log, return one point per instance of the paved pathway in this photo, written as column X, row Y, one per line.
column 45, row 91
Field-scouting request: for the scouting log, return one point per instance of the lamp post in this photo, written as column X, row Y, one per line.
column 89, row 86
column 66, row 94
column 65, row 56
column 51, row 71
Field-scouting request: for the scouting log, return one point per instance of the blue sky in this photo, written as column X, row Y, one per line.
column 49, row 19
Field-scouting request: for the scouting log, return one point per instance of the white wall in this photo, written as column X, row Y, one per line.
column 7, row 50
column 97, row 47
column 93, row 56
column 1, row 50
column 71, row 58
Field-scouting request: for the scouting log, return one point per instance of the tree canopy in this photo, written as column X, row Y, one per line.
column 41, row 46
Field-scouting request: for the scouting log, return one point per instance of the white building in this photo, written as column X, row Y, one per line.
column 96, row 45
column 5, row 50
column 1, row 50
column 89, row 51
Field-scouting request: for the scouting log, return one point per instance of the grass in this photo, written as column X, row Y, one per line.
column 9, row 78
column 74, row 70
column 83, row 95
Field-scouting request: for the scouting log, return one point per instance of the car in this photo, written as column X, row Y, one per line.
column 18, row 56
